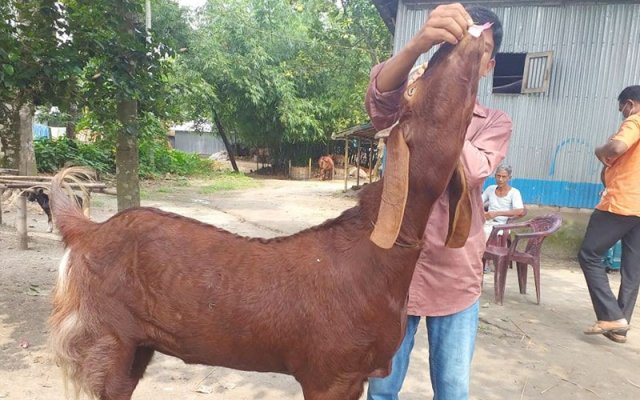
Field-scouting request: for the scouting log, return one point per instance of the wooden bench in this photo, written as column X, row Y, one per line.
column 26, row 182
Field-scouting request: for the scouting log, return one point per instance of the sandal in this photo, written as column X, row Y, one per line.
column 616, row 337
column 602, row 327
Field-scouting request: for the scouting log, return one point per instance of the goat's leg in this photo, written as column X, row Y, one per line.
column 49, row 219
column 141, row 361
column 350, row 388
column 113, row 368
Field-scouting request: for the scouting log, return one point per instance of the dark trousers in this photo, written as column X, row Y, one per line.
column 603, row 231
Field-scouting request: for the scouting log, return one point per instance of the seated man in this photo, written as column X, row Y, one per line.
column 501, row 201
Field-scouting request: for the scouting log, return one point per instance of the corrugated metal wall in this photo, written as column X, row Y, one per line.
column 596, row 54
column 198, row 143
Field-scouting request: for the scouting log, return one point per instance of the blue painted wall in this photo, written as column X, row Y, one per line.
column 556, row 193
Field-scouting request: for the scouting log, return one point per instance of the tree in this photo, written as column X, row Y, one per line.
column 284, row 72
column 124, row 68
column 34, row 64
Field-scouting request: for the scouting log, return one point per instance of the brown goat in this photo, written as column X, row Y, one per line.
column 326, row 305
column 326, row 167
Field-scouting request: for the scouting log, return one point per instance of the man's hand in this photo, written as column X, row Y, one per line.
column 446, row 23
column 609, row 152
column 488, row 215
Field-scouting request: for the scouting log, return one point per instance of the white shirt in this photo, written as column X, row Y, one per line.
column 512, row 201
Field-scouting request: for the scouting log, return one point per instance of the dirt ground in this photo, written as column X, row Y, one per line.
column 524, row 350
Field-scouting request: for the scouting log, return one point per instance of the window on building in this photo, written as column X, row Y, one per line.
column 518, row 73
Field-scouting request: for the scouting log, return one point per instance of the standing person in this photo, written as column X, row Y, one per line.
column 446, row 284
column 501, row 200
column 616, row 217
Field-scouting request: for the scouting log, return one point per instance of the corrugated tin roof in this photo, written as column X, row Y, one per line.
column 365, row 131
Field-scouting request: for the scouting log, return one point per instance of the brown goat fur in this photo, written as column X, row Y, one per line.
column 326, row 167
column 325, row 305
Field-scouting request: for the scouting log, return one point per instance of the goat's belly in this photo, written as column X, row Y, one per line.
column 216, row 355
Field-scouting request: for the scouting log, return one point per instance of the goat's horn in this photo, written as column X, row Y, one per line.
column 394, row 191
column 459, row 209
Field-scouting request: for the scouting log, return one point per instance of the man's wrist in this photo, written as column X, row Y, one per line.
column 413, row 50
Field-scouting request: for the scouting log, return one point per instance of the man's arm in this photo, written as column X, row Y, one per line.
column 446, row 23
column 618, row 144
column 609, row 152
column 516, row 212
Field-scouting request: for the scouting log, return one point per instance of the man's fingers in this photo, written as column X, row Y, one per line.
column 444, row 35
column 455, row 11
column 450, row 25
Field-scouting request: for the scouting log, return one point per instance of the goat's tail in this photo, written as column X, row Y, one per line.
column 67, row 213
column 71, row 326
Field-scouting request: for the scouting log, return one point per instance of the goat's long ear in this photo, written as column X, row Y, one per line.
column 394, row 192
column 459, row 209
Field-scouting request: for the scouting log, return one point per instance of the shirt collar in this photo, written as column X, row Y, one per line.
column 480, row 110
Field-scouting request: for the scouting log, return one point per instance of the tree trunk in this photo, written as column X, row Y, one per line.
column 9, row 144
column 27, row 165
column 16, row 139
column 71, row 124
column 222, row 133
column 127, row 182
column 127, row 164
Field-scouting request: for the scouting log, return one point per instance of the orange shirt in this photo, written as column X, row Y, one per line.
column 623, row 176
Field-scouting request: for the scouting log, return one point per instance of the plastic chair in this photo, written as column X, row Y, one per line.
column 503, row 256
column 504, row 239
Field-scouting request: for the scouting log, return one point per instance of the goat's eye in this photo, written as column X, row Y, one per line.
column 411, row 91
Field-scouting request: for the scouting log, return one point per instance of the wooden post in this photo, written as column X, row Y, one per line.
column 86, row 204
column 346, row 161
column 370, row 160
column 1, row 193
column 358, row 165
column 21, row 222
column 289, row 172
column 309, row 173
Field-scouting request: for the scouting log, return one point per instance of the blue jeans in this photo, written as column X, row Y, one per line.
column 451, row 343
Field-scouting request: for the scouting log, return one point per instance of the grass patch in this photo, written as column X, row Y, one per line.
column 223, row 181
column 565, row 243
column 164, row 189
column 182, row 181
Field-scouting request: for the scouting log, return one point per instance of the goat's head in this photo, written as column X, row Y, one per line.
column 34, row 194
column 428, row 135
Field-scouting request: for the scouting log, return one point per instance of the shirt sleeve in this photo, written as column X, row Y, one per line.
column 382, row 107
column 516, row 201
column 629, row 132
column 482, row 155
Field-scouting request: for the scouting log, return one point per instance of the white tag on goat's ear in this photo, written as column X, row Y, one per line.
column 476, row 30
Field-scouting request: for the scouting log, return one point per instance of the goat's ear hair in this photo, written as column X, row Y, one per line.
column 459, row 209
column 394, row 191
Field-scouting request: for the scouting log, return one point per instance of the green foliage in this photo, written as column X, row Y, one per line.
column 51, row 155
column 283, row 72
column 156, row 158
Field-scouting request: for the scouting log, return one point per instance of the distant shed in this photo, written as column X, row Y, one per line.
column 365, row 132
column 195, row 138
